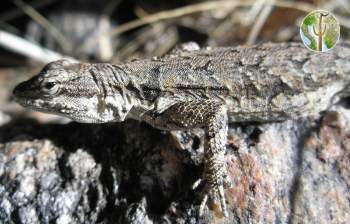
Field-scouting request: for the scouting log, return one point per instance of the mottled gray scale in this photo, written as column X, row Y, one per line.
column 197, row 88
column 97, row 80
column 183, row 77
column 249, row 80
column 106, row 78
column 121, row 77
column 149, row 93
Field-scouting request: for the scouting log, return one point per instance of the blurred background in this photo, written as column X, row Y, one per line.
column 35, row 32
column 290, row 172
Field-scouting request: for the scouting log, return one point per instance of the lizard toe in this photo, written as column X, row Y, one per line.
column 215, row 193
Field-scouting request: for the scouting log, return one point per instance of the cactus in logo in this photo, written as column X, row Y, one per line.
column 320, row 31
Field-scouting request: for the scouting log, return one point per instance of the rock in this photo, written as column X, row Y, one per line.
column 284, row 172
column 137, row 213
column 36, row 188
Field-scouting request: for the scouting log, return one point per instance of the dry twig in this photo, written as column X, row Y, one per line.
column 264, row 14
column 195, row 8
column 42, row 21
column 200, row 7
column 14, row 13
column 27, row 48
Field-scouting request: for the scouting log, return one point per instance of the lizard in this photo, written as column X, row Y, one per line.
column 194, row 87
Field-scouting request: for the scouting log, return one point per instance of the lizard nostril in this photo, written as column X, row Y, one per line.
column 16, row 90
column 20, row 89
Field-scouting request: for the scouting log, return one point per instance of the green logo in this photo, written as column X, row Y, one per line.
column 320, row 31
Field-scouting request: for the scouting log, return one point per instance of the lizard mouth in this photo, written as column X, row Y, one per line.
column 47, row 106
column 57, row 109
column 44, row 106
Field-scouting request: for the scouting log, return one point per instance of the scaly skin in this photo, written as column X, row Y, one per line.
column 196, row 88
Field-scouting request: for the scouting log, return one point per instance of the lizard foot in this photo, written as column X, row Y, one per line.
column 214, row 191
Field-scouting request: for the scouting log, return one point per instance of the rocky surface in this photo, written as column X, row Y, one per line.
column 286, row 172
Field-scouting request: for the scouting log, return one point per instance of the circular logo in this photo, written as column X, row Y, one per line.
column 320, row 31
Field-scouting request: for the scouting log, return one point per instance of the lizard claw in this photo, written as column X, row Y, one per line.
column 215, row 192
column 223, row 201
column 203, row 203
column 196, row 184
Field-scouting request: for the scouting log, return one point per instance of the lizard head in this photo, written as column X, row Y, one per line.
column 68, row 88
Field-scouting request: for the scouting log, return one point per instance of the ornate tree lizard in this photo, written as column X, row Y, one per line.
column 191, row 88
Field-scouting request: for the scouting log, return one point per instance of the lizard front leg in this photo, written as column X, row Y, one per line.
column 212, row 116
column 215, row 173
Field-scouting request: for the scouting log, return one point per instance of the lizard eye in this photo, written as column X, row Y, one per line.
column 50, row 87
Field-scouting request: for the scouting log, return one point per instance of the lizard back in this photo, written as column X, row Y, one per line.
column 259, row 83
